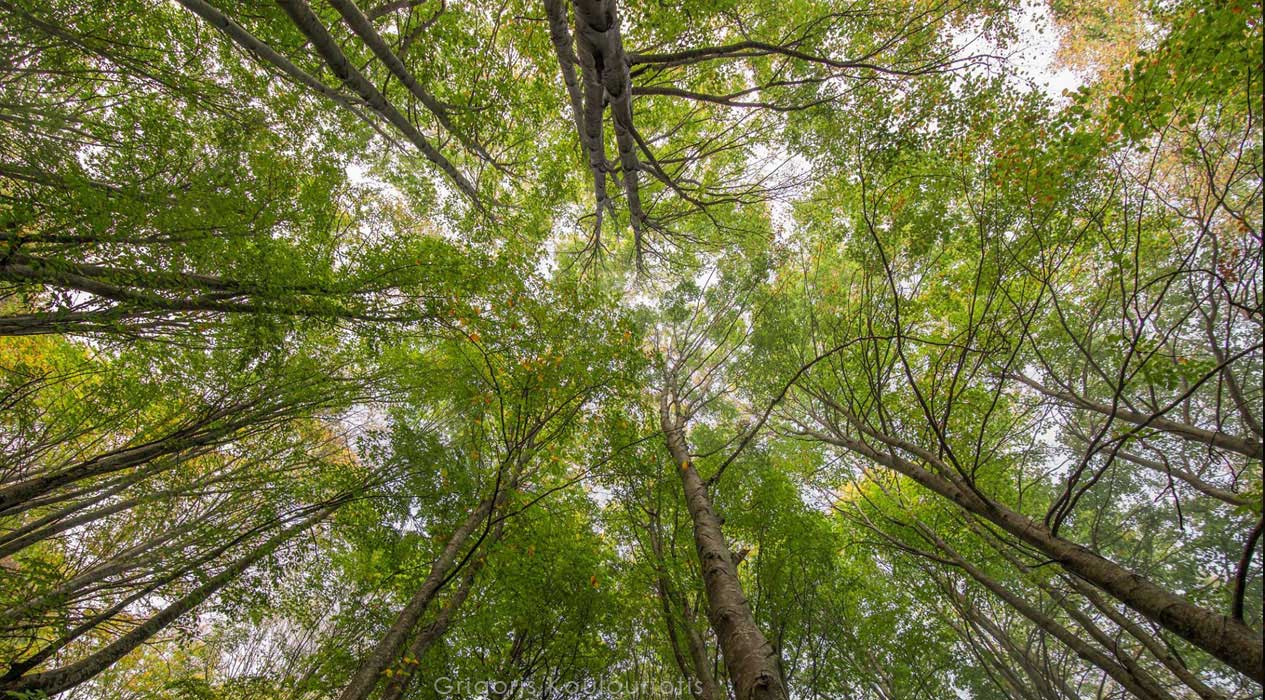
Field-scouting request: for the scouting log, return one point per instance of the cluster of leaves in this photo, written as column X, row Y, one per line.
column 317, row 380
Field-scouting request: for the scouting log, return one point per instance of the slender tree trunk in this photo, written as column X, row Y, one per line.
column 126, row 560
column 364, row 29
column 96, row 492
column 55, row 518
column 696, row 669
column 1149, row 642
column 587, row 123
column 601, row 53
column 428, row 635
column 311, row 27
column 388, row 648
column 753, row 664
column 47, row 652
column 1231, row 641
column 669, row 625
column 1246, row 446
column 709, row 689
column 64, row 678
column 971, row 626
column 16, row 498
column 1141, row 687
column 1044, row 685
column 29, row 536
column 1168, row 470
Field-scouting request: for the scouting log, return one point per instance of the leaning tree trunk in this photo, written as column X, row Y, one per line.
column 1157, row 649
column 389, row 647
column 708, row 688
column 428, row 635
column 201, row 432
column 1131, row 679
column 752, row 662
column 1230, row 640
column 62, row 679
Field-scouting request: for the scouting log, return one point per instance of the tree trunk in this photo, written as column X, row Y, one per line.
column 47, row 652
column 127, row 560
column 975, row 623
column 311, row 27
column 1231, row 641
column 428, row 635
column 1152, row 645
column 696, row 669
column 601, row 53
column 16, row 498
column 752, row 662
column 27, row 536
column 1140, row 687
column 1247, row 446
column 388, row 648
column 64, row 678
column 708, row 688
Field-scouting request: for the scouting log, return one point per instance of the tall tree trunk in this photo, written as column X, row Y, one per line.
column 363, row 28
column 18, row 540
column 1157, row 649
column 311, row 27
column 752, row 662
column 1142, row 687
column 588, row 122
column 200, row 434
column 695, row 669
column 601, row 54
column 1246, row 446
column 708, row 688
column 131, row 558
column 388, row 648
column 1231, row 641
column 428, row 635
column 1047, row 685
column 61, row 679
column 975, row 629
column 20, row 667
column 15, row 540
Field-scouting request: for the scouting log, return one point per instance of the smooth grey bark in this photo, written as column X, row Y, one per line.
column 1148, row 641
column 1157, row 647
column 199, row 433
column 267, row 54
column 131, row 558
column 588, row 125
column 311, row 27
column 1042, row 686
column 18, row 668
column 709, row 689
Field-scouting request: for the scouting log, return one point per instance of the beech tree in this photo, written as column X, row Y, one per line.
column 409, row 349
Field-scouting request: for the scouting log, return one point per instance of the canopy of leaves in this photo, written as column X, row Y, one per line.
column 614, row 349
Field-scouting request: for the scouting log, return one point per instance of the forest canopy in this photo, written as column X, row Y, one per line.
column 562, row 349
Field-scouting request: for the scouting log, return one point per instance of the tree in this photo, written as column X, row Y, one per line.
column 586, row 349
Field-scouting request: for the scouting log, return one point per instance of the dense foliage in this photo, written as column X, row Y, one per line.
column 588, row 349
